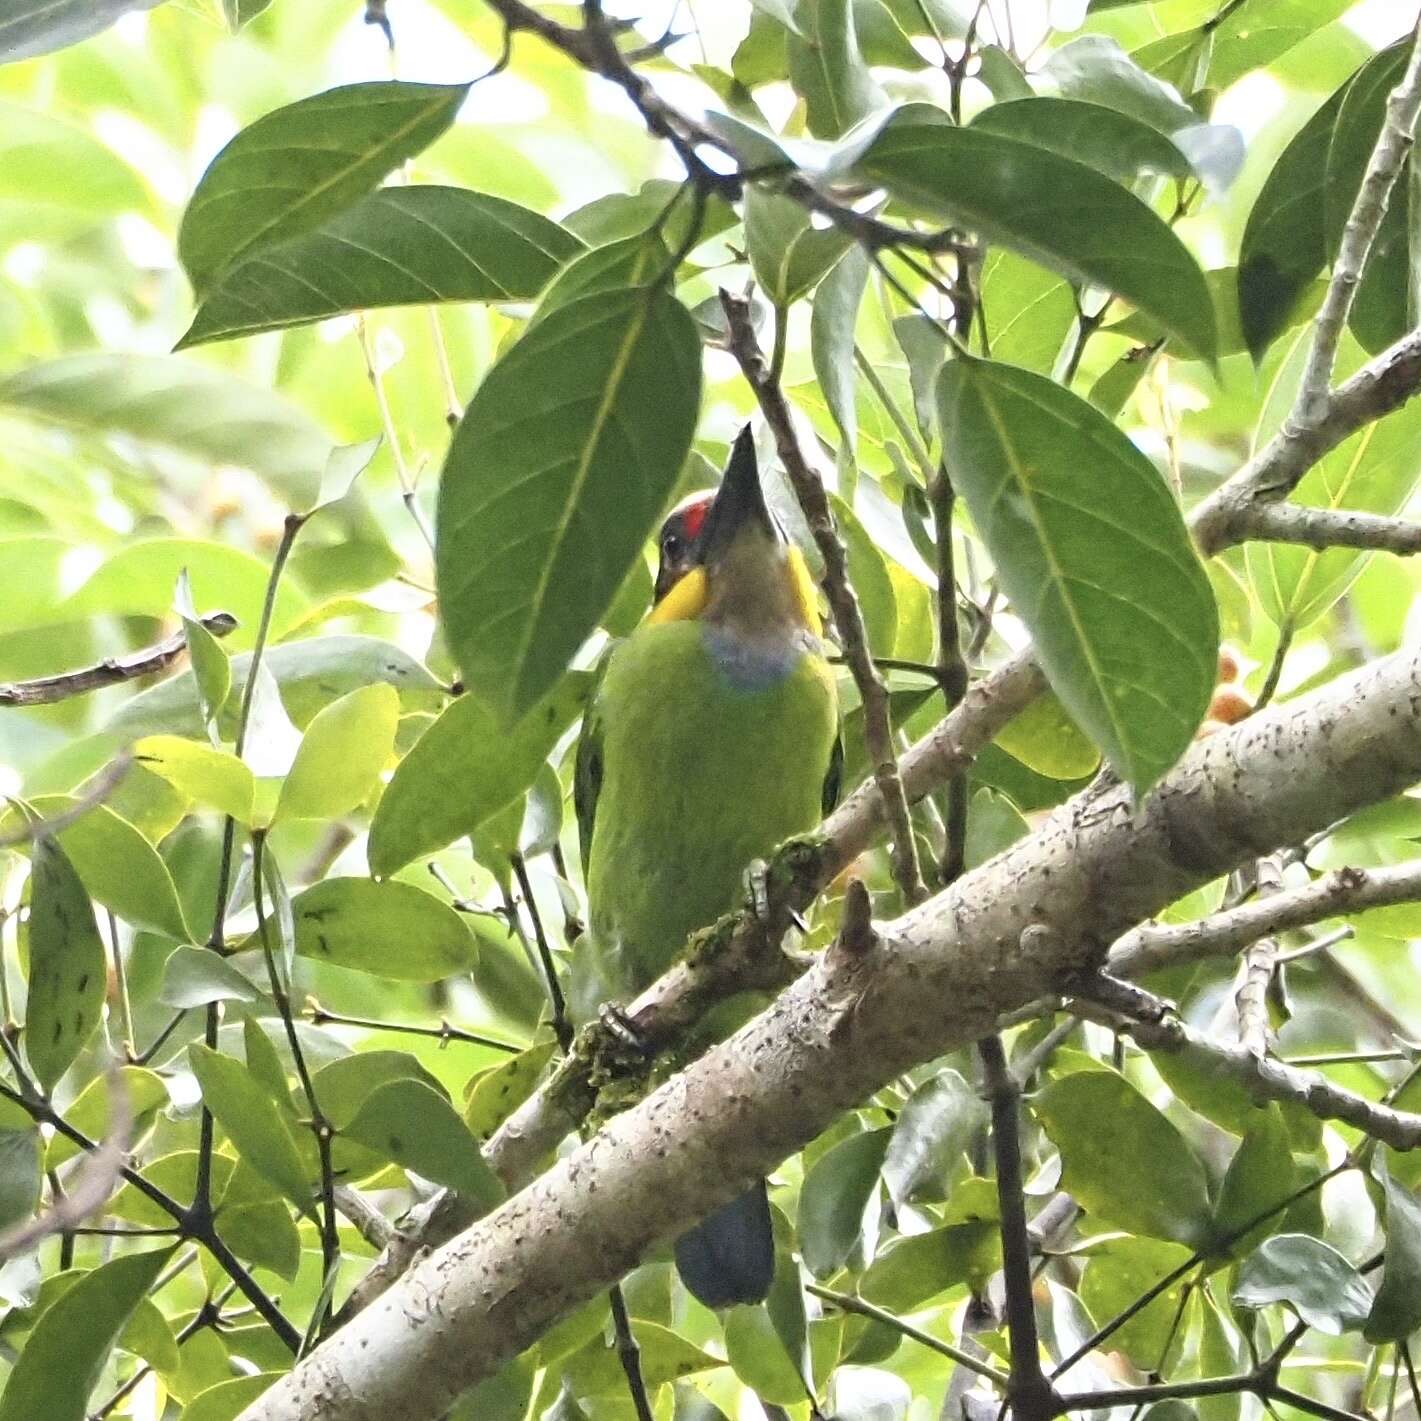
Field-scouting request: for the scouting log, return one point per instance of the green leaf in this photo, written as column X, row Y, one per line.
column 1117, row 144
column 1260, row 31
column 912, row 1270
column 20, row 1175
column 297, row 167
column 1120, row 1270
column 1045, row 739
column 211, row 666
column 252, row 1121
column 65, row 1355
column 1199, row 1081
column 145, row 1094
column 1028, row 311
column 827, row 68
column 194, row 976
column 206, row 775
column 1284, row 241
column 264, row 1064
column 68, row 968
column 342, row 753
column 310, row 674
column 626, row 262
column 1096, row 69
column 30, row 27
column 463, row 770
column 201, row 411
column 596, row 1369
column 417, row 1128
column 390, row 929
column 1396, row 1313
column 1049, row 208
column 242, row 12
column 1121, row 611
column 1316, row 1281
column 493, row 1095
column 149, row 1336
column 227, row 1400
column 834, row 1196
column 1260, row 1175
column 1122, row 1159
column 758, row 1356
column 938, row 1122
column 788, row 253
column 561, row 467
column 400, row 246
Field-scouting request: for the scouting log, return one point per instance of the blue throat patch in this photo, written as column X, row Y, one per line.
column 752, row 665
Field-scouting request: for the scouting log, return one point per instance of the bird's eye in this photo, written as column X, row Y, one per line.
column 671, row 545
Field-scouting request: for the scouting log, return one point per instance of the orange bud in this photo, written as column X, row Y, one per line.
column 1228, row 665
column 1230, row 706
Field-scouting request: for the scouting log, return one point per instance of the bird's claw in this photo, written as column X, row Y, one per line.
column 757, row 889
column 619, row 1025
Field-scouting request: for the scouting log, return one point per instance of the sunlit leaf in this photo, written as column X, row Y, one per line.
column 206, row 775
column 342, row 753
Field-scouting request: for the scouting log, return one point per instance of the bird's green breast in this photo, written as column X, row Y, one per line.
column 713, row 753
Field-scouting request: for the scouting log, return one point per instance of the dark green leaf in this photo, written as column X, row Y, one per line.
column 1284, row 241
column 828, row 70
column 341, row 756
column 560, row 469
column 832, row 1201
column 938, row 1122
column 252, row 1121
column 1260, row 1176
column 1122, row 1159
column 463, row 770
column 68, row 968
column 194, row 976
column 20, row 1175
column 30, row 27
column 788, row 253
column 1049, row 208
column 1316, row 1281
column 297, row 167
column 417, row 1128
column 400, row 246
column 1122, row 613
column 1396, row 1313
column 390, row 929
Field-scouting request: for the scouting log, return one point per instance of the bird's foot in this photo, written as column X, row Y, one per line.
column 619, row 1026
column 757, row 892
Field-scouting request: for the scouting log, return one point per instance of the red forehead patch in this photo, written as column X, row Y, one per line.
column 693, row 515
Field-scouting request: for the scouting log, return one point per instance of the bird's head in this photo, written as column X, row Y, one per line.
column 725, row 559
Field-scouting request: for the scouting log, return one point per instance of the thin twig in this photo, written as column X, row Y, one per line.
column 105, row 783
column 319, row 1016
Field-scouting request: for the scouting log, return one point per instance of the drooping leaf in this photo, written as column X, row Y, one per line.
column 30, row 27
column 463, row 770
column 342, row 753
column 1122, row 613
column 400, row 246
column 827, row 68
column 251, row 1120
column 1316, row 1281
column 388, row 928
column 1140, row 1174
column 416, row 1127
column 1396, row 1313
column 561, row 466
column 937, row 1123
column 832, row 1201
column 297, row 167
column 196, row 410
column 65, row 1354
column 68, row 968
column 1049, row 208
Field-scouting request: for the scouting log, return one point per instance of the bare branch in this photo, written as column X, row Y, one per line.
column 369, row 1222
column 1331, row 528
column 1260, row 960
column 1392, row 147
column 843, row 601
column 1344, row 890
column 48, row 689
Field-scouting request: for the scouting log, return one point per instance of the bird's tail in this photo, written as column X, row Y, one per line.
column 729, row 1257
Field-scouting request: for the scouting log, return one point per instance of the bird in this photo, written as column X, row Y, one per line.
column 712, row 737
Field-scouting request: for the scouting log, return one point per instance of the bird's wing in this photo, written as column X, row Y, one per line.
column 834, row 775
column 587, row 768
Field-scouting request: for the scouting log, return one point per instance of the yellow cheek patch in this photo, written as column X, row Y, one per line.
column 686, row 601
column 805, row 592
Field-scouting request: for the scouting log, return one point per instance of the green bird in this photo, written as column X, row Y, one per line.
column 711, row 739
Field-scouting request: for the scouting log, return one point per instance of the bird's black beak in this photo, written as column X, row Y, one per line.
column 740, row 503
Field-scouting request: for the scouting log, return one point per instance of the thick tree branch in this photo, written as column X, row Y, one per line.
column 843, row 601
column 1020, row 927
column 1344, row 890
column 48, row 689
column 1332, row 528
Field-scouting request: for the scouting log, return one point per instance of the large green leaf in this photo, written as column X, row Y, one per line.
column 787, row 252
column 938, row 1122
column 176, row 404
column 66, row 1352
column 294, row 169
column 827, row 68
column 1052, row 209
column 342, row 753
column 1123, row 1160
column 561, row 467
column 399, row 246
column 68, row 968
column 389, row 928
column 911, row 1270
column 206, row 775
column 463, row 770
column 1092, row 551
column 832, row 1201
column 1284, row 240
column 1117, row 1272
column 1260, row 1176
column 30, row 27
column 1259, row 31
column 1375, row 471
